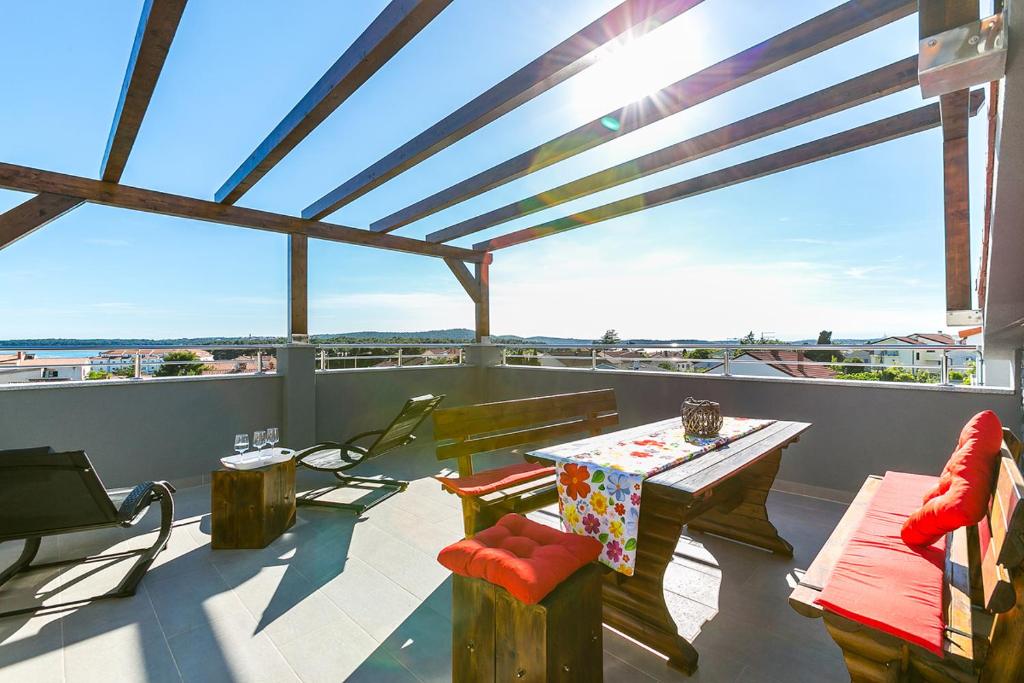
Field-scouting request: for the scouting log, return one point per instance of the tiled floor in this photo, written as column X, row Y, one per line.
column 338, row 598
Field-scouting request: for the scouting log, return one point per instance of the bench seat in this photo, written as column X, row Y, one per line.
column 981, row 587
column 879, row 581
column 489, row 481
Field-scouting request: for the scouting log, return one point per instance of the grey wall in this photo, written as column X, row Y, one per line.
column 143, row 430
column 353, row 401
column 859, row 429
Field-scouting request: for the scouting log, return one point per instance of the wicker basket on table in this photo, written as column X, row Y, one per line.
column 701, row 418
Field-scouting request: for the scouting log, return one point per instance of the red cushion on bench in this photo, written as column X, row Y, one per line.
column 490, row 481
column 525, row 558
column 962, row 495
column 880, row 581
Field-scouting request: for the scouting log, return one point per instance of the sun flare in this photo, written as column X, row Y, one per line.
column 632, row 69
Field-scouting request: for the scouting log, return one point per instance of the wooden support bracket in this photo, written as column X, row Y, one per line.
column 477, row 286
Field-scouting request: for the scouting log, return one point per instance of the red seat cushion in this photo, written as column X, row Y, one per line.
column 882, row 582
column 490, row 481
column 962, row 494
column 525, row 558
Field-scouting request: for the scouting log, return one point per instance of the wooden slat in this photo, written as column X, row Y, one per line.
column 450, row 423
column 525, row 436
column 705, row 472
column 891, row 128
column 394, row 27
column 848, row 21
column 465, row 278
column 870, row 86
column 997, row 585
column 26, row 179
column 566, row 59
column 298, row 288
column 960, row 627
column 157, row 26
column 29, row 216
column 518, row 490
column 1006, row 514
column 936, row 16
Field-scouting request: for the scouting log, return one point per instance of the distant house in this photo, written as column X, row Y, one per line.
column 764, row 363
column 150, row 360
column 917, row 353
column 26, row 367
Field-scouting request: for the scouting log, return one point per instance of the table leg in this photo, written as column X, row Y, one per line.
column 635, row 605
column 746, row 520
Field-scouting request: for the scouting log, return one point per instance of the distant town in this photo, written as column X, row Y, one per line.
column 915, row 360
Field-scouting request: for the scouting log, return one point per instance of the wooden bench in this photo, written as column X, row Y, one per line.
column 982, row 601
column 466, row 431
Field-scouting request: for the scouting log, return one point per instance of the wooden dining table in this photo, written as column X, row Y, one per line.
column 722, row 492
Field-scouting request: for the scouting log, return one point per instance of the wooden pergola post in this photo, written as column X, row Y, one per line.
column 298, row 289
column 483, row 302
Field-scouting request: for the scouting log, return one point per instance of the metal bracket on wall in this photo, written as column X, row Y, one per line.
column 967, row 55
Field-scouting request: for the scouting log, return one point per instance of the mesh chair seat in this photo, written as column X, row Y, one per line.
column 336, row 458
column 333, row 457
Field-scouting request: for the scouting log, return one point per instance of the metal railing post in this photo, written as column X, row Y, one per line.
column 944, row 373
column 259, row 362
column 137, row 374
column 399, row 357
column 593, row 359
column 323, row 359
column 725, row 362
column 463, row 362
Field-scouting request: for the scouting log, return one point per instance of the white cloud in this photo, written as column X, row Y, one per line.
column 671, row 293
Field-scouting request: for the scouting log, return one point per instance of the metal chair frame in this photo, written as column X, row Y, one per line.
column 381, row 445
column 119, row 507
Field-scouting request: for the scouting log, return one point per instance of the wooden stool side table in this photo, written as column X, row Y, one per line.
column 250, row 508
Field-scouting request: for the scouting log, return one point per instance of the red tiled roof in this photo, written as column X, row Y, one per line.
column 936, row 337
column 786, row 361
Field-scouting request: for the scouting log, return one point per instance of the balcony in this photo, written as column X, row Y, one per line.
column 364, row 597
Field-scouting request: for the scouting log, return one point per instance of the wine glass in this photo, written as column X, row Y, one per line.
column 273, row 436
column 241, row 443
column 259, row 440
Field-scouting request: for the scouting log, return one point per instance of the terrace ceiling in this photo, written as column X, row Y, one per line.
column 401, row 21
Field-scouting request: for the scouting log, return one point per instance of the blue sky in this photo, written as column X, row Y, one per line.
column 853, row 244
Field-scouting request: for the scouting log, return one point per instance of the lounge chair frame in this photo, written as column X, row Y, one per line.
column 348, row 455
column 113, row 508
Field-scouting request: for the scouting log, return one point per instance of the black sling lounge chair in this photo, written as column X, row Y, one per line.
column 43, row 493
column 339, row 457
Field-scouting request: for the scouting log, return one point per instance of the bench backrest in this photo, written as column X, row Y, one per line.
column 46, row 493
column 1001, row 535
column 464, row 431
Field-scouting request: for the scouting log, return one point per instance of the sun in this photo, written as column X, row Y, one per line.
column 633, row 68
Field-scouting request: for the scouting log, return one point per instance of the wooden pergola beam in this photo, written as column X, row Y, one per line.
column 465, row 278
column 566, row 59
column 887, row 129
column 850, row 20
column 879, row 83
column 157, row 26
column 936, row 16
column 30, row 215
column 393, row 28
column 26, row 179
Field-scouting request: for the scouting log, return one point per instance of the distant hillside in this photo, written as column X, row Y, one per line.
column 458, row 334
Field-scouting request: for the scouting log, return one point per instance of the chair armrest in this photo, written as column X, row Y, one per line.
column 140, row 498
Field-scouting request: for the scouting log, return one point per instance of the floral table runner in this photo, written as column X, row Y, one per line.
column 600, row 479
